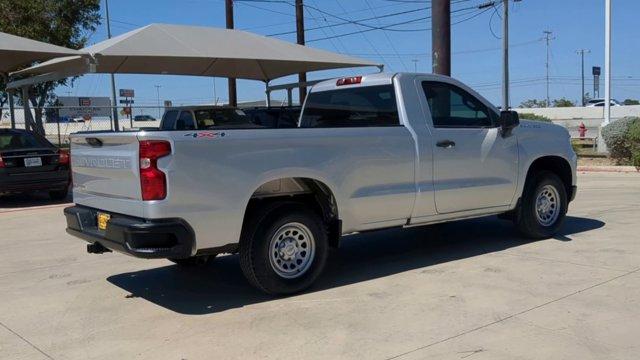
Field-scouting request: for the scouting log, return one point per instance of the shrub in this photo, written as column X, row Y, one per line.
column 633, row 137
column 616, row 136
column 531, row 116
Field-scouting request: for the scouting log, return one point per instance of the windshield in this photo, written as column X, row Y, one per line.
column 21, row 140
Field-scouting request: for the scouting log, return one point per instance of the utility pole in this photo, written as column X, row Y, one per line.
column 302, row 77
column 441, row 36
column 116, row 126
column 607, row 64
column 505, row 55
column 581, row 52
column 548, row 38
column 158, row 94
column 233, row 98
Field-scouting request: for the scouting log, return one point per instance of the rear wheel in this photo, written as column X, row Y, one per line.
column 283, row 248
column 59, row 194
column 543, row 207
column 194, row 260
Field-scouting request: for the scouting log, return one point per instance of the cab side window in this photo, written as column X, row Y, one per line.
column 453, row 107
column 185, row 121
column 169, row 120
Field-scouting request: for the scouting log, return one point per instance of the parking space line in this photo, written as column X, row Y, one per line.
column 513, row 315
column 26, row 341
column 38, row 207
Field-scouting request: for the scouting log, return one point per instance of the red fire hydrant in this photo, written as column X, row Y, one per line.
column 582, row 130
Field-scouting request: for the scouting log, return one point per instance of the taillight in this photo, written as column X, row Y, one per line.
column 153, row 181
column 349, row 81
column 1, row 162
column 63, row 157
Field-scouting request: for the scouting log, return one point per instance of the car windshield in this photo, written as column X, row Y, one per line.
column 21, row 140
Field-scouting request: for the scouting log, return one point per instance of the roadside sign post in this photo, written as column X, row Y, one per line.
column 128, row 95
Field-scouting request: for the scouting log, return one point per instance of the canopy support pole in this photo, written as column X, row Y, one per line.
column 290, row 97
column 268, row 93
column 12, row 110
column 28, row 121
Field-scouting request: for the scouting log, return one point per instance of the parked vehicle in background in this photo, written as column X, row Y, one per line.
column 28, row 162
column 205, row 118
column 601, row 102
column 274, row 117
column 371, row 152
column 144, row 118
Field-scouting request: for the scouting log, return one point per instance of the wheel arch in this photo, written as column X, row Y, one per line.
column 555, row 164
column 308, row 190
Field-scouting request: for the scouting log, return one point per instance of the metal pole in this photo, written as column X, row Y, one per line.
column 12, row 111
column 607, row 63
column 548, row 38
column 302, row 77
column 233, row 97
column 25, row 107
column 158, row 94
column 441, row 36
column 581, row 52
column 415, row 65
column 505, row 55
column 113, row 78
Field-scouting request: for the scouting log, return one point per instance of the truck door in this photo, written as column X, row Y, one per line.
column 475, row 167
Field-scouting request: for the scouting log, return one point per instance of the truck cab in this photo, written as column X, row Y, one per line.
column 370, row 152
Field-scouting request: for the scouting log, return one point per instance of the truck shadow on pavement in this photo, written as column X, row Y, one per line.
column 14, row 202
column 221, row 286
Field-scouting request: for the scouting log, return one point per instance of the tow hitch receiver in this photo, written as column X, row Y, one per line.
column 96, row 248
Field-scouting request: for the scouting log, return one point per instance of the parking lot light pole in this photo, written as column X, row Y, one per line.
column 505, row 55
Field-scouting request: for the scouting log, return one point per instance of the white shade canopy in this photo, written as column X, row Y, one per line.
column 200, row 51
column 16, row 51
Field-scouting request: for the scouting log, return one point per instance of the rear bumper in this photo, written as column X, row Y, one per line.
column 54, row 180
column 143, row 238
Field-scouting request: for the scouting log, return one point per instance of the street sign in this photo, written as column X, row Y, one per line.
column 80, row 107
column 126, row 101
column 128, row 93
column 595, row 71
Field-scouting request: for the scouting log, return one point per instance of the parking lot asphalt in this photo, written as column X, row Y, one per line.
column 465, row 290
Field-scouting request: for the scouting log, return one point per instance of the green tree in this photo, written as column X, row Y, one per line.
column 630, row 102
column 562, row 102
column 65, row 23
column 533, row 103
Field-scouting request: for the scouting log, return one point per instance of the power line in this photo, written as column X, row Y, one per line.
column 390, row 26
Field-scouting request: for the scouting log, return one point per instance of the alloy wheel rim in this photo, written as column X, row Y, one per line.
column 291, row 250
column 547, row 205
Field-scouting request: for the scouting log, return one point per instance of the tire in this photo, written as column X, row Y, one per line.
column 546, row 223
column 283, row 248
column 193, row 261
column 59, row 194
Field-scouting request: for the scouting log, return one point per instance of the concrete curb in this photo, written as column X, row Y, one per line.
column 623, row 169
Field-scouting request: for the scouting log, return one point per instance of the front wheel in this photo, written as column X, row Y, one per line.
column 543, row 207
column 283, row 248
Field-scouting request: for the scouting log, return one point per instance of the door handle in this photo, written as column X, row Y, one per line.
column 447, row 144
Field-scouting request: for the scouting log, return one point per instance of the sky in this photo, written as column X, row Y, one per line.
column 476, row 40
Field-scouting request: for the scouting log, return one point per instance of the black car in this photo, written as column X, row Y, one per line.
column 29, row 162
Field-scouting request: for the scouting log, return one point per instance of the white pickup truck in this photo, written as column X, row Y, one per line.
column 371, row 152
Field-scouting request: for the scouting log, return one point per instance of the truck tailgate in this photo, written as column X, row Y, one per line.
column 106, row 172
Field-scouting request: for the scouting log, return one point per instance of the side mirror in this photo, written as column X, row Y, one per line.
column 509, row 119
